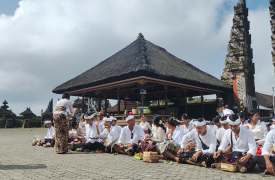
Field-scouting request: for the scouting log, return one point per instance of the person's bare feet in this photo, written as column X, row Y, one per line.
column 161, row 157
column 204, row 164
column 87, row 150
column 177, row 159
column 68, row 152
column 213, row 165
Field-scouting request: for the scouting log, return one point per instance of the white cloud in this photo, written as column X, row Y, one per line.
column 49, row 42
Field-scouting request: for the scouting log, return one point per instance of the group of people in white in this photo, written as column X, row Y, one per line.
column 231, row 139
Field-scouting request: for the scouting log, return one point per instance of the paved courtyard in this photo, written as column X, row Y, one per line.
column 19, row 160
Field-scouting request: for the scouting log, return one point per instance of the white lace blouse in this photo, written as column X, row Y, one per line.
column 158, row 135
column 259, row 132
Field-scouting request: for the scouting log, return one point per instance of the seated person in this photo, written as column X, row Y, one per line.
column 157, row 136
column 269, row 160
column 75, row 133
column 114, row 121
column 258, row 128
column 217, row 124
column 186, row 125
column 129, row 137
column 91, row 135
column 50, row 137
column 221, row 131
column 110, row 133
column 243, row 119
column 171, row 146
column 273, row 125
column 243, row 146
column 206, row 145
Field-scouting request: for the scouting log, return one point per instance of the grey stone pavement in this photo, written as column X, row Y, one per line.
column 20, row 160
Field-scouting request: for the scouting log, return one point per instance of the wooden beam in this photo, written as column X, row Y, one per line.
column 142, row 79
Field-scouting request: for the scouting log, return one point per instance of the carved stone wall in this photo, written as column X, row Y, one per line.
column 239, row 69
column 272, row 24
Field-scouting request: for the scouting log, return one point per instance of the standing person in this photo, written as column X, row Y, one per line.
column 145, row 125
column 206, row 145
column 243, row 146
column 129, row 137
column 60, row 123
column 258, row 128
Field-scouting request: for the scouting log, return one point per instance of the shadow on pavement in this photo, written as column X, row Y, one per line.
column 27, row 166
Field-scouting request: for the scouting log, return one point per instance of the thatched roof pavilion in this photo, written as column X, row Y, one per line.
column 143, row 65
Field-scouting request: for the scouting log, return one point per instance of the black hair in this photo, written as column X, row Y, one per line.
column 142, row 115
column 251, row 113
column 184, row 116
column 73, row 124
column 173, row 121
column 223, row 118
column 65, row 96
column 156, row 122
column 200, row 119
column 241, row 115
column 233, row 117
column 215, row 119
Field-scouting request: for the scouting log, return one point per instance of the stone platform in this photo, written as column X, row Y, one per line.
column 19, row 160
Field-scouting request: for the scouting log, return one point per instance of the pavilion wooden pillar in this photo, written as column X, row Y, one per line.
column 83, row 111
column 142, row 82
column 158, row 106
column 166, row 102
column 185, row 101
column 202, row 105
column 105, row 108
column 99, row 101
column 118, row 100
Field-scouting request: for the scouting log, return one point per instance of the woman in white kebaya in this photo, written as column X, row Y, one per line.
column 258, row 128
column 145, row 125
column 243, row 146
column 186, row 126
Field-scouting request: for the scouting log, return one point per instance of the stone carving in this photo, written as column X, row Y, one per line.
column 239, row 69
column 272, row 24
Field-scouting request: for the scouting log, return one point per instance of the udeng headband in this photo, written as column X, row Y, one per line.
column 233, row 123
column 197, row 123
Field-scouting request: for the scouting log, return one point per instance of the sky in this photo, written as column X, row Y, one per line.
column 44, row 43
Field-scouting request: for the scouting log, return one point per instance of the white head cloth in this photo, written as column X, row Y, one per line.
column 130, row 117
column 113, row 118
column 233, row 123
column 224, row 121
column 88, row 117
column 266, row 123
column 197, row 123
column 227, row 112
column 48, row 122
column 107, row 119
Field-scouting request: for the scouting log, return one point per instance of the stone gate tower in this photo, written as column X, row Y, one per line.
column 272, row 24
column 239, row 69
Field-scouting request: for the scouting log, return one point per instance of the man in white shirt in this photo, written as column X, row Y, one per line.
column 50, row 137
column 242, row 144
column 221, row 131
column 269, row 160
column 129, row 137
column 110, row 134
column 217, row 124
column 114, row 121
column 206, row 145
column 91, row 135
column 273, row 125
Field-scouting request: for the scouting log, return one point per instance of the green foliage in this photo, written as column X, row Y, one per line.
column 36, row 122
column 18, row 122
